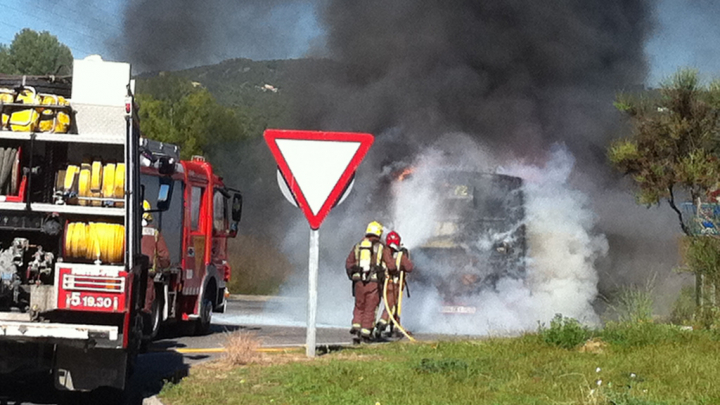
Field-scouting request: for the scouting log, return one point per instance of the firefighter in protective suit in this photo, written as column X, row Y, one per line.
column 401, row 258
column 153, row 246
column 365, row 266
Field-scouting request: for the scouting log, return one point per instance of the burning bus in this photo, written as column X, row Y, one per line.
column 478, row 236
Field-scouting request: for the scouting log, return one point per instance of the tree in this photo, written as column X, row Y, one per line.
column 34, row 53
column 673, row 148
column 674, row 141
column 173, row 110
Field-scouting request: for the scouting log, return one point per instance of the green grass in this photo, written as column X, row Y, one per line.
column 678, row 367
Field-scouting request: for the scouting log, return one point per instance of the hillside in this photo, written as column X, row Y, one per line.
column 262, row 91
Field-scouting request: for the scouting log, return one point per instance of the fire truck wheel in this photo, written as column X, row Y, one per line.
column 155, row 317
column 202, row 327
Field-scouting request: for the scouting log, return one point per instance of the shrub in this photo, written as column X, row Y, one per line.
column 634, row 304
column 564, row 332
column 241, row 348
column 683, row 311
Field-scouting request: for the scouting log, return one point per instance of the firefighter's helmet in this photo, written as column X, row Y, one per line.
column 146, row 215
column 393, row 240
column 374, row 228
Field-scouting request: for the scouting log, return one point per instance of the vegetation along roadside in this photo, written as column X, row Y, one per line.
column 563, row 363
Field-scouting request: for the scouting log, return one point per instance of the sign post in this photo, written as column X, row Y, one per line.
column 317, row 168
column 313, row 266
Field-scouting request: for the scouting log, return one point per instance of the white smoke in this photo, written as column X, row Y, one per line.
column 562, row 249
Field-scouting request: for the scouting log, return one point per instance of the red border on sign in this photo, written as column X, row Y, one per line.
column 365, row 140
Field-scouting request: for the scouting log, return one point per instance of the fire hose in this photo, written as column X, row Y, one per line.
column 401, row 283
column 92, row 182
column 392, row 316
column 95, row 241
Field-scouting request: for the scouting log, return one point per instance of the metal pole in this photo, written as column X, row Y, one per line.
column 313, row 265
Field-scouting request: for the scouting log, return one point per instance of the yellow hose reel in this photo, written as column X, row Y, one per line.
column 95, row 241
column 93, row 180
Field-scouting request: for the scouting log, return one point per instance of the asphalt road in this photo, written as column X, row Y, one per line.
column 170, row 357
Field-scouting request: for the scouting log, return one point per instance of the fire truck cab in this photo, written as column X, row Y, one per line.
column 195, row 213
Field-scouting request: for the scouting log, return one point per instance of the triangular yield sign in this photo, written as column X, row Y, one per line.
column 317, row 166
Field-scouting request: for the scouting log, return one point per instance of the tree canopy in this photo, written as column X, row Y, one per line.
column 674, row 142
column 177, row 111
column 35, row 53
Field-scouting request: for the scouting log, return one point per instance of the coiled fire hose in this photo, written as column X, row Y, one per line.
column 97, row 241
column 93, row 180
column 392, row 316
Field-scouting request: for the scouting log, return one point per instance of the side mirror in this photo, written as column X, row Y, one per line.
column 237, row 202
column 232, row 232
column 164, row 193
column 166, row 165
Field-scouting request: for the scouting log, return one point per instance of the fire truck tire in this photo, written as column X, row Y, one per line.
column 156, row 315
column 152, row 327
column 202, row 325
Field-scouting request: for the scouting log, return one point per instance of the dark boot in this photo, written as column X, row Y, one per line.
column 366, row 336
column 380, row 328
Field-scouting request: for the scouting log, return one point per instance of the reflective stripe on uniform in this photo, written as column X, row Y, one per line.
column 147, row 231
column 398, row 259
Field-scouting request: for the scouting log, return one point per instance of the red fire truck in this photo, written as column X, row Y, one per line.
column 196, row 214
column 74, row 171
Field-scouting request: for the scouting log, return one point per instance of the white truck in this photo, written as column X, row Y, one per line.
column 72, row 276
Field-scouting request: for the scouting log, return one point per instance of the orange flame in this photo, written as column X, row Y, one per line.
column 405, row 173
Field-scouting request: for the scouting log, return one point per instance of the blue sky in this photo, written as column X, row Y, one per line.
column 688, row 34
column 75, row 26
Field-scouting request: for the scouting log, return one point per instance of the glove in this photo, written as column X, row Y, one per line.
column 353, row 273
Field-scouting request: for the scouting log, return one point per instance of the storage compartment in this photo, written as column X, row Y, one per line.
column 95, row 184
column 27, row 109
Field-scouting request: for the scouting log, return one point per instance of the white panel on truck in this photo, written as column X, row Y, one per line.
column 99, row 82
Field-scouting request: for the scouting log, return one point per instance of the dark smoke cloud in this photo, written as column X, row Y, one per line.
column 176, row 34
column 517, row 76
column 520, row 74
